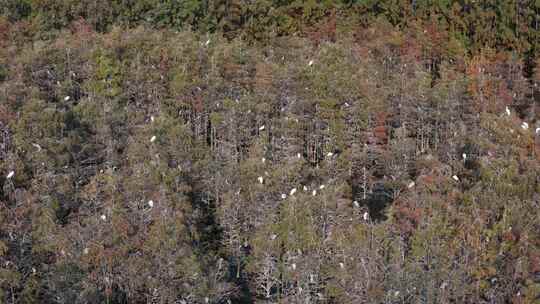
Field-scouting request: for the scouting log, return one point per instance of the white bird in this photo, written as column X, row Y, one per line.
column 365, row 216
column 356, row 204
column 263, row 160
column 455, row 178
column 66, row 98
column 305, row 188
column 321, row 187
column 396, row 293
column 273, row 237
column 10, row 174
column 283, row 196
column 153, row 138
column 346, row 104
column 524, row 126
column 293, row 266
column 293, row 191
column 207, row 42
column 330, row 154
column 341, row 265
column 37, row 146
column 151, row 203
column 537, row 130
column 464, row 156
column 507, row 111
column 33, row 270
column 152, row 118
column 86, row 250
column 261, row 128
column 411, row 184
column 104, row 217
column 298, row 155
column 260, row 179
column 310, row 63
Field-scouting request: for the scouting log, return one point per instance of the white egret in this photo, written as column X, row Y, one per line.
column 341, row 265
column 507, row 111
column 10, row 174
column 330, row 154
column 321, row 187
column 283, row 196
column 151, row 203
column 356, row 204
column 310, row 63
column 293, row 266
column 305, row 188
column 104, row 217
column 260, row 179
column 298, row 155
column 263, row 160
column 153, row 138
column 365, row 216
column 411, row 184
column 464, row 156
column 152, row 118
column 293, row 191
column 314, row 192
column 524, row 126
column 261, row 128
column 455, row 178
column 273, row 236
column 37, row 146
column 86, row 251
column 537, row 130
column 207, row 42
column 66, row 98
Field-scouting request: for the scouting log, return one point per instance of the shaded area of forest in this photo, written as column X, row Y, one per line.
column 335, row 152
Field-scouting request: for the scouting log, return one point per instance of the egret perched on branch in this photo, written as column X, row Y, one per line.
column 411, row 184
column 151, row 203
column 263, row 160
column 37, row 146
column 283, row 196
column 260, row 179
column 104, row 217
column 293, row 266
column 464, row 156
column 152, row 118
column 298, row 155
column 356, row 204
column 537, row 130
column 365, row 216
column 10, row 174
column 507, row 111
column 66, row 98
column 314, row 192
column 261, row 128
column 293, row 191
column 330, row 154
column 524, row 126
column 321, row 187
column 153, row 139
column 341, row 265
column 305, row 188
column 455, row 178
column 310, row 63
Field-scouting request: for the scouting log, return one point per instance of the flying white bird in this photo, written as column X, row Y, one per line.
column 10, row 174
column 455, row 178
column 37, row 146
column 411, row 184
column 283, row 196
column 365, row 216
column 66, row 98
column 310, row 63
column 321, row 187
column 151, row 203
column 314, row 192
column 305, row 188
column 153, row 138
column 356, row 204
column 293, row 191
column 260, row 179
column 104, row 217
column 507, row 111
column 261, row 128
column 524, row 126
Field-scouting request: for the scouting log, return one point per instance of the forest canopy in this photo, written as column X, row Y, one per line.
column 269, row 151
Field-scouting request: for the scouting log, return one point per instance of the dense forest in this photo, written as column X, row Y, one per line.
column 269, row 151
